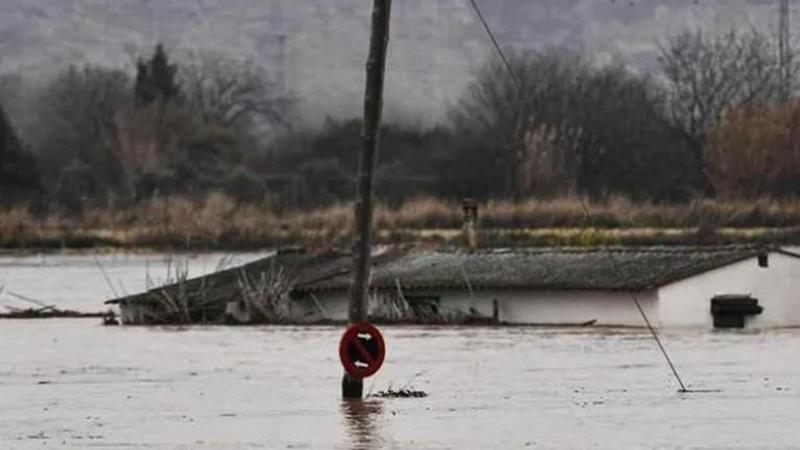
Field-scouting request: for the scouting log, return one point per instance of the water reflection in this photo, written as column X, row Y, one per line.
column 362, row 420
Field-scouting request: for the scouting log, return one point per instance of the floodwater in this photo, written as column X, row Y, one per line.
column 83, row 281
column 74, row 384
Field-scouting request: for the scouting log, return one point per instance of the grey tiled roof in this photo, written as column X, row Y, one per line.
column 603, row 268
column 608, row 268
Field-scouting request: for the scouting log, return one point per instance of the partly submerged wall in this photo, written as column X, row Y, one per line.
column 777, row 288
column 526, row 307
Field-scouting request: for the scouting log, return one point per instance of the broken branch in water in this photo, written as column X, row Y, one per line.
column 26, row 299
column 43, row 310
column 48, row 312
column 402, row 393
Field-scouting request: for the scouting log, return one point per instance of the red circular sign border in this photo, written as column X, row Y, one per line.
column 349, row 366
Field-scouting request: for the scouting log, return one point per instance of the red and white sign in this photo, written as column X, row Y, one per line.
column 362, row 350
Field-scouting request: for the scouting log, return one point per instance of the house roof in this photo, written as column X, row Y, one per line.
column 604, row 268
column 297, row 266
column 563, row 268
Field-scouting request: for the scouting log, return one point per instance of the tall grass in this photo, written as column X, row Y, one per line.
column 618, row 212
column 217, row 220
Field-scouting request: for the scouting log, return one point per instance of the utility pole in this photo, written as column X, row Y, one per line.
column 784, row 51
column 373, row 104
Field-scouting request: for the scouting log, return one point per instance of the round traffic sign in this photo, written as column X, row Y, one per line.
column 362, row 350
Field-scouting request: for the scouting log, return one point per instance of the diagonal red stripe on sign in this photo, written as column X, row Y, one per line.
column 368, row 358
column 353, row 349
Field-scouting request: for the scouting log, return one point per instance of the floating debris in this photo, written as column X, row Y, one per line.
column 49, row 312
column 38, row 310
column 110, row 319
column 402, row 393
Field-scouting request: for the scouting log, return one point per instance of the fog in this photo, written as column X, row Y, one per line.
column 316, row 49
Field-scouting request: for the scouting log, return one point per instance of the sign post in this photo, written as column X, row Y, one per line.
column 353, row 386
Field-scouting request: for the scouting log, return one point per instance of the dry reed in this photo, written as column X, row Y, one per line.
column 219, row 221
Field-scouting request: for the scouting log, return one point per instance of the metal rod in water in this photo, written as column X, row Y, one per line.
column 658, row 341
column 650, row 327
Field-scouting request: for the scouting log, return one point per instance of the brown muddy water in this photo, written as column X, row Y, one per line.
column 73, row 384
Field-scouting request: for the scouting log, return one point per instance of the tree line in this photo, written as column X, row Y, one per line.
column 556, row 123
column 716, row 119
column 99, row 136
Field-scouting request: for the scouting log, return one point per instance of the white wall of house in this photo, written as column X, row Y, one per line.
column 572, row 307
column 531, row 307
column 687, row 303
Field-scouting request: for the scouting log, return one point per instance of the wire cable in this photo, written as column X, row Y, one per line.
column 496, row 44
column 658, row 341
column 635, row 299
column 650, row 327
column 620, row 272
column 587, row 215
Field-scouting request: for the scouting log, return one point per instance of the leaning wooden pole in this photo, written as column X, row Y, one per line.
column 373, row 104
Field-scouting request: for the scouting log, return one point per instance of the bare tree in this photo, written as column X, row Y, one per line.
column 707, row 74
column 76, row 112
column 500, row 111
column 233, row 93
column 569, row 125
column 16, row 95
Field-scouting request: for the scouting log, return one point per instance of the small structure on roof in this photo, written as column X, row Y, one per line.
column 547, row 286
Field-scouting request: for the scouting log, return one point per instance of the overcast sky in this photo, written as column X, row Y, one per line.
column 319, row 46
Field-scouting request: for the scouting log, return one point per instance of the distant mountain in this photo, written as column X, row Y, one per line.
column 318, row 47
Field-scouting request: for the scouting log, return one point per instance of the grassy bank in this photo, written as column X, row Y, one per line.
column 217, row 222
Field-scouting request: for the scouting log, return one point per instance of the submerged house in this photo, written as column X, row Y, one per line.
column 704, row 287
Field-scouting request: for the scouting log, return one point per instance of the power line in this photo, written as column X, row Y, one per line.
column 497, row 47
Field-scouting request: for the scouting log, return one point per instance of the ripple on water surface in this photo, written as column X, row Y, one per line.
column 75, row 384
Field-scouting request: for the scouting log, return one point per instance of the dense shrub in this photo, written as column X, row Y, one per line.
column 19, row 175
column 755, row 151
